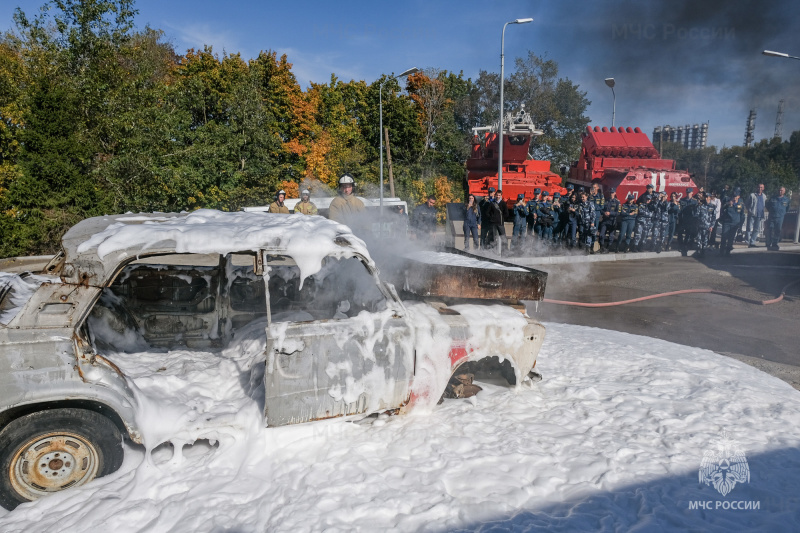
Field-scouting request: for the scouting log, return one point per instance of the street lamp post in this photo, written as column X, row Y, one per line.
column 502, row 66
column 797, row 222
column 610, row 82
column 380, row 112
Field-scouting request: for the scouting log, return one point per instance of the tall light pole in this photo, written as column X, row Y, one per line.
column 610, row 82
column 797, row 222
column 408, row 72
column 502, row 66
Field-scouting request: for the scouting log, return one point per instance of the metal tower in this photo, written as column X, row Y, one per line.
column 749, row 131
column 779, row 122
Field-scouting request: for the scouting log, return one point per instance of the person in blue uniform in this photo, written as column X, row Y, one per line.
column 520, row 217
column 531, row 220
column 599, row 201
column 472, row 221
column 627, row 215
column 776, row 207
column 674, row 210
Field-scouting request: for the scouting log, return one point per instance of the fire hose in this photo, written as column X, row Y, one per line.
column 674, row 293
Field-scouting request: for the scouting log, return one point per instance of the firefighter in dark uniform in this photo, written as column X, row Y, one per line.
column 556, row 209
column 485, row 207
column 424, row 220
column 644, row 222
column 609, row 222
column 544, row 198
column 563, row 217
column 570, row 218
column 545, row 219
column 520, row 215
column 599, row 201
column 777, row 207
column 648, row 191
column 532, row 207
column 731, row 217
column 674, row 210
column 627, row 215
column 684, row 231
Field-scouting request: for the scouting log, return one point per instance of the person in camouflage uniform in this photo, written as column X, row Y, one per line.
column 644, row 222
column 660, row 222
column 705, row 218
column 586, row 215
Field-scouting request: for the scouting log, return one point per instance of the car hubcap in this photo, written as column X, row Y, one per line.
column 51, row 463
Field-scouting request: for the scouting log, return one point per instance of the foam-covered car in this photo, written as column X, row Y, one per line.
column 339, row 340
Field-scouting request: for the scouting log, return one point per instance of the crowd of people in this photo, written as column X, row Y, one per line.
column 587, row 220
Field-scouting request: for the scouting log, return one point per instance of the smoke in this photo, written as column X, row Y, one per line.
column 317, row 188
column 679, row 62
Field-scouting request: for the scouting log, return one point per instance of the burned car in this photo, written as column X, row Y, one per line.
column 340, row 341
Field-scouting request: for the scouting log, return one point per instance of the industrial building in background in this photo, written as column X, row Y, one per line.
column 691, row 137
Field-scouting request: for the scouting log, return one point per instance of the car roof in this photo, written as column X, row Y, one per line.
column 94, row 248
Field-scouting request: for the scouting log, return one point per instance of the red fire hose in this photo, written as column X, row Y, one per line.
column 673, row 293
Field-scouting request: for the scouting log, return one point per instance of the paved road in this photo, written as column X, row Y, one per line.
column 765, row 336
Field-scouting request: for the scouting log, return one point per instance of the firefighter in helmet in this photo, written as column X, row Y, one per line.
column 346, row 206
column 278, row 206
column 305, row 206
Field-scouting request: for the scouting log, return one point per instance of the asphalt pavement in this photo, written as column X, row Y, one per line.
column 765, row 336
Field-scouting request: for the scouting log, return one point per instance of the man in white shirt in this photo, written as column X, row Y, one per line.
column 713, row 200
column 756, row 206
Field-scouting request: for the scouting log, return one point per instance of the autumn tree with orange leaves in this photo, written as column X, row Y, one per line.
column 97, row 117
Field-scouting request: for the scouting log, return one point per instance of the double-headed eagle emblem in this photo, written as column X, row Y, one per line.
column 724, row 465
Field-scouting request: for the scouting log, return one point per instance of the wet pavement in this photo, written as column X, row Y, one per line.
column 765, row 336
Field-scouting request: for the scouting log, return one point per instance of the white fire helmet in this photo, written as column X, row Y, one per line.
column 347, row 179
column 305, row 193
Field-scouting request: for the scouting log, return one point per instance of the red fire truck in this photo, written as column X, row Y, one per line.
column 625, row 159
column 521, row 175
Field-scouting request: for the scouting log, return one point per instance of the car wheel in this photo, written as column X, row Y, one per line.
column 54, row 450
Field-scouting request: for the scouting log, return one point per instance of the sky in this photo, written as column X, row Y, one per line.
column 678, row 62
